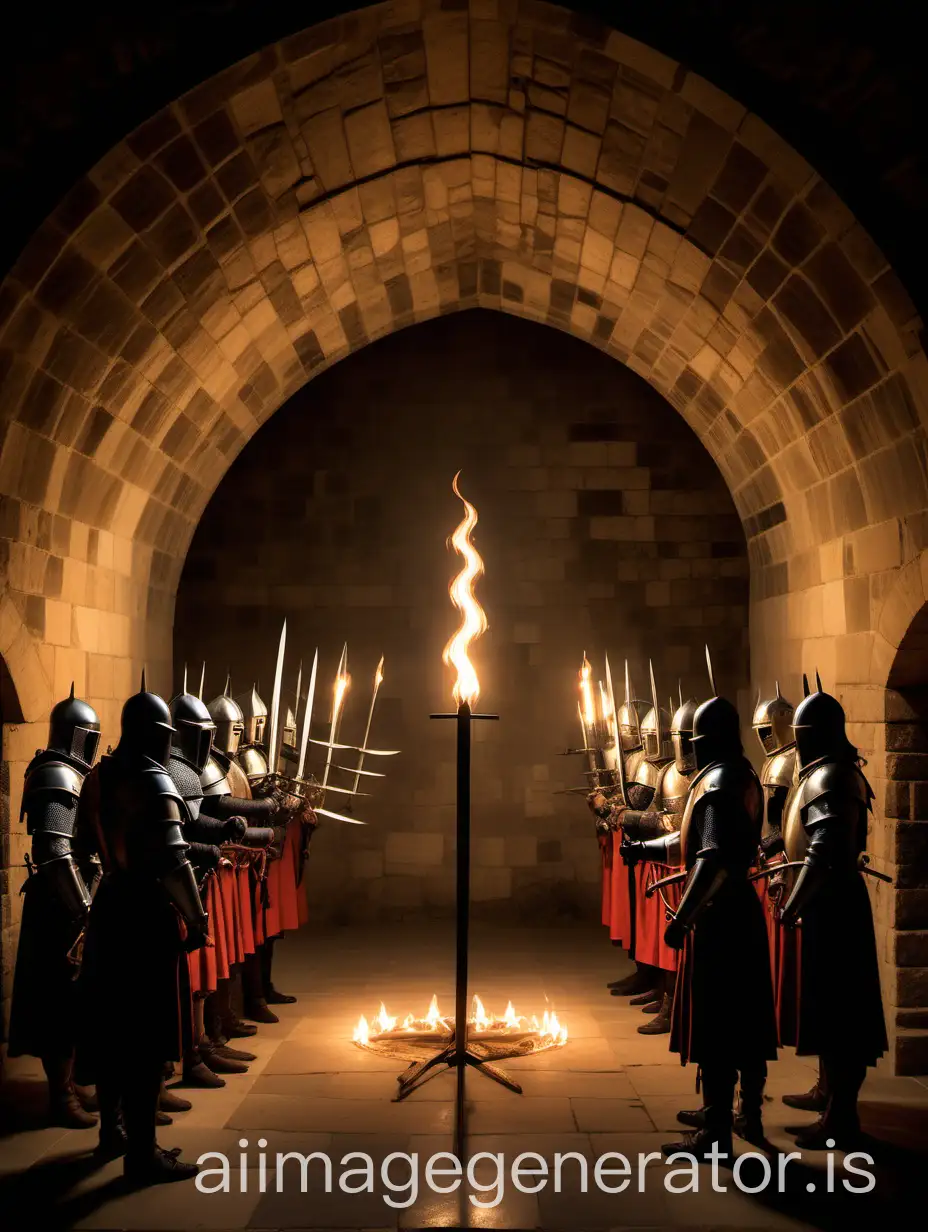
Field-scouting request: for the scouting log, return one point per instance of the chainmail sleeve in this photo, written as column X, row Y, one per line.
column 639, row 796
column 255, row 812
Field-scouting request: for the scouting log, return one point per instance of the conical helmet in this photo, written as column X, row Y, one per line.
column 681, row 736
column 226, row 713
column 74, row 729
column 194, row 729
column 254, row 716
column 146, row 727
column 773, row 723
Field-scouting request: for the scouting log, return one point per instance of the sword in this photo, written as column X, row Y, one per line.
column 299, row 685
column 616, row 735
column 628, row 702
column 352, row 821
column 355, row 748
column 202, row 680
column 378, row 680
column 341, row 686
column 307, row 717
column 368, row 774
column 863, row 862
column 273, row 753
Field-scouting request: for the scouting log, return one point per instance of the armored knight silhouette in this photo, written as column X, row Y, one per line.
column 651, row 843
column 840, row 1017
column 232, row 779
column 215, row 845
column 719, row 927
column 147, row 913
column 608, row 806
column 57, row 899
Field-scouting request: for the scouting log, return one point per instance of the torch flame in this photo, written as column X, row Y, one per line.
column 433, row 1017
column 586, row 693
column 342, row 683
column 473, row 617
column 481, row 1018
column 383, row 1021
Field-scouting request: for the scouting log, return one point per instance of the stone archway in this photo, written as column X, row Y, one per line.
column 369, row 173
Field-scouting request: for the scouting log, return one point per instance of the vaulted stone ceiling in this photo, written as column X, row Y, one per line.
column 409, row 160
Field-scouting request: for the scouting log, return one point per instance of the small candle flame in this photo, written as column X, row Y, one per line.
column 473, row 617
column 362, row 1032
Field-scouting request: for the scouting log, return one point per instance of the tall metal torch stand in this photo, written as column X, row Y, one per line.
column 457, row 1055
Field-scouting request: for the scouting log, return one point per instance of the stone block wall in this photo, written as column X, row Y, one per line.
column 604, row 525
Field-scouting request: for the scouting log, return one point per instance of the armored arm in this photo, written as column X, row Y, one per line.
column 167, row 857
column 255, row 812
column 776, row 800
column 203, row 856
column 639, row 797
column 215, row 832
column 638, row 825
column 662, row 850
column 828, row 822
column 706, row 878
column 50, row 805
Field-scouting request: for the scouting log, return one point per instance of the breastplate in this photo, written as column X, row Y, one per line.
column 238, row 782
column 795, row 839
column 253, row 761
column 674, row 791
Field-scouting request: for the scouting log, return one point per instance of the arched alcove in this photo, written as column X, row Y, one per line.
column 402, row 163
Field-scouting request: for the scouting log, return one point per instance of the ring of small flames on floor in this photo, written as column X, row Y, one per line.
column 523, row 1034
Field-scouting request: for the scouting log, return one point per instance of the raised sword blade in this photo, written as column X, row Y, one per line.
column 352, row 821
column 328, row 744
column 344, row 791
column 368, row 774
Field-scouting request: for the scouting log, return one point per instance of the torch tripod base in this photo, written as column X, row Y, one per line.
column 420, row 1073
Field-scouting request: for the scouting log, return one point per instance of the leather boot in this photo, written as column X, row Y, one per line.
column 218, row 1063
column 748, row 1121
column 647, row 997
column 813, row 1100
column 718, row 1082
column 271, row 995
column 237, row 1028
column 231, row 1054
column 660, row 1024
column 258, row 1011
column 169, row 1101
column 64, row 1108
column 198, row 1074
column 162, row 1167
column 839, row 1125
column 642, row 979
column 695, row 1118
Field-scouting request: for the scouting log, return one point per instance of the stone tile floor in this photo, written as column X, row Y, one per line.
column 311, row 1089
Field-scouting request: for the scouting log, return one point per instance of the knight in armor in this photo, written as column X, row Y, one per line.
column 214, row 1019
column 840, row 1007
column 719, row 927
column 236, row 783
column 642, row 984
column 57, row 899
column 773, row 721
column 651, row 844
column 136, row 1014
